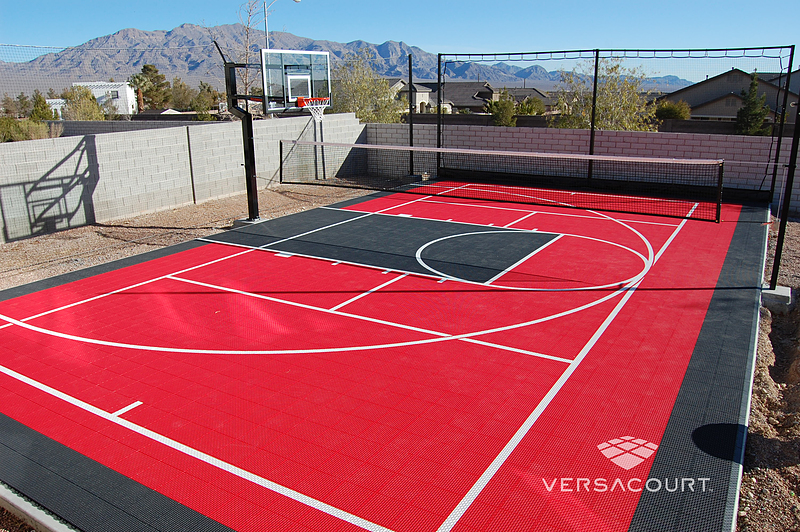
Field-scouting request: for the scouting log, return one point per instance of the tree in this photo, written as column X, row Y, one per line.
column 24, row 105
column 751, row 118
column 10, row 108
column 182, row 95
column 503, row 110
column 669, row 110
column 622, row 104
column 110, row 110
column 207, row 98
column 151, row 88
column 41, row 111
column 530, row 106
column 359, row 90
column 81, row 105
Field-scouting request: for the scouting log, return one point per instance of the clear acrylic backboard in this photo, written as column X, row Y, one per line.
column 289, row 74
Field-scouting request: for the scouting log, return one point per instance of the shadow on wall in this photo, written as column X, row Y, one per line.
column 61, row 198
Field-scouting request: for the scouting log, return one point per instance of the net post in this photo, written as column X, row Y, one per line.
column 787, row 200
column 720, row 179
column 411, row 105
column 280, row 162
column 439, row 114
column 594, row 110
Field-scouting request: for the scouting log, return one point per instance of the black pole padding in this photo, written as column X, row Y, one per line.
column 247, row 139
column 787, row 200
column 250, row 167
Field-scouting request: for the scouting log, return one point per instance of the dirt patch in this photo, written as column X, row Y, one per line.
column 771, row 483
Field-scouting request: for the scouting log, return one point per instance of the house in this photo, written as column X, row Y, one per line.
column 57, row 105
column 120, row 94
column 473, row 96
column 421, row 94
column 720, row 97
column 778, row 79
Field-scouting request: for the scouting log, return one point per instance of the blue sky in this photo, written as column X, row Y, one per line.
column 436, row 26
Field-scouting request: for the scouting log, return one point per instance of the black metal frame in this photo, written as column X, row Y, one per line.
column 686, row 53
column 247, row 130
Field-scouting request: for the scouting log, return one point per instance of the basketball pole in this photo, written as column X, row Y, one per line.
column 251, row 182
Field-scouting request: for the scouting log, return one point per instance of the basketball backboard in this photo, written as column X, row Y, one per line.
column 288, row 74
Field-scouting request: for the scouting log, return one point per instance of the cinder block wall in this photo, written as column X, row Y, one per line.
column 53, row 184
column 75, row 128
column 745, row 157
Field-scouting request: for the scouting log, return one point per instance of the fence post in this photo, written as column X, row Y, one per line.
column 784, row 109
column 787, row 200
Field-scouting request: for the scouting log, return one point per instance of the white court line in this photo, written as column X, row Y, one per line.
column 515, row 222
column 248, row 249
column 127, row 408
column 439, row 336
column 228, row 467
column 517, row 350
column 210, row 459
column 359, row 296
column 199, row 455
column 523, row 259
column 500, row 459
column 437, row 273
column 570, row 215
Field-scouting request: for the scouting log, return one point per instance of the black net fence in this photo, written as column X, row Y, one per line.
column 600, row 91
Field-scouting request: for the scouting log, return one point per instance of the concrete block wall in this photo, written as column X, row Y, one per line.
column 75, row 128
column 140, row 172
column 46, row 185
column 53, row 184
column 745, row 157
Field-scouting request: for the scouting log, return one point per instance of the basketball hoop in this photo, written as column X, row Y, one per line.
column 315, row 105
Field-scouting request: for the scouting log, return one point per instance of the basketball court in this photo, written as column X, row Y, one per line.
column 401, row 362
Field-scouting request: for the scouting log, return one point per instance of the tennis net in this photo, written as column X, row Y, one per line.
column 683, row 188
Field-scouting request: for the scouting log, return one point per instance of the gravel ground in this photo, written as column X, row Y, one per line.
column 771, row 483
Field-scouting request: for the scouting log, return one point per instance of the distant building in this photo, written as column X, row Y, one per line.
column 121, row 95
column 57, row 105
column 458, row 96
column 720, row 97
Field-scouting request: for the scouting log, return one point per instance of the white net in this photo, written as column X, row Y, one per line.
column 316, row 106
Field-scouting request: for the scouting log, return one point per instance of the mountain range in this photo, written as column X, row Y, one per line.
column 188, row 52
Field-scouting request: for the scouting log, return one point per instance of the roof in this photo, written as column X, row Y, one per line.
column 715, row 87
column 777, row 78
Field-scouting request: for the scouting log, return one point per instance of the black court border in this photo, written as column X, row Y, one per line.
column 704, row 437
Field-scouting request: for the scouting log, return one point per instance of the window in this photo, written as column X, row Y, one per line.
column 115, row 95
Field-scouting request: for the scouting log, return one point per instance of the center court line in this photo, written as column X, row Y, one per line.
column 498, row 462
column 199, row 455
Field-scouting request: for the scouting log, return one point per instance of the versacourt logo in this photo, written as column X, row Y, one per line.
column 627, row 452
